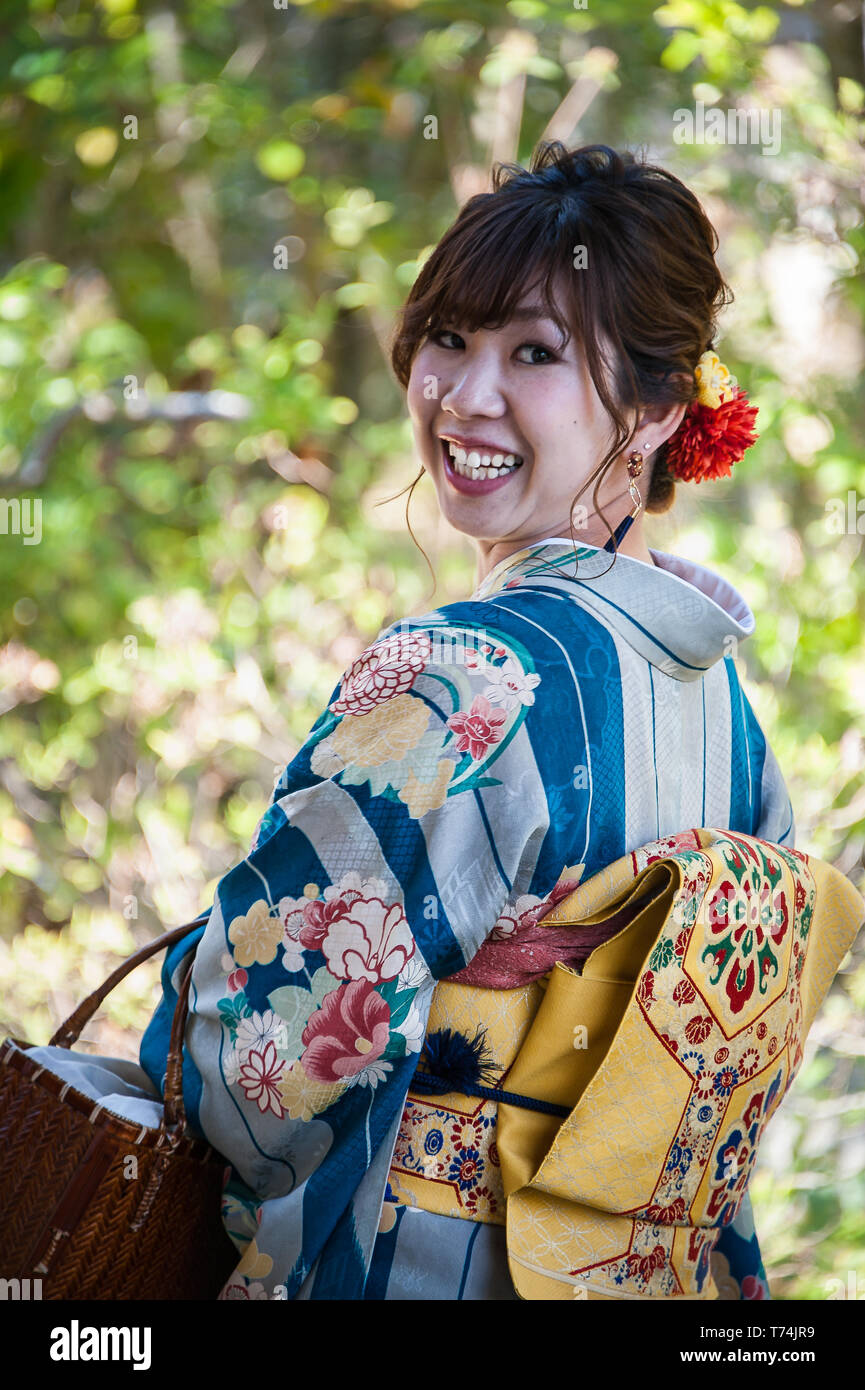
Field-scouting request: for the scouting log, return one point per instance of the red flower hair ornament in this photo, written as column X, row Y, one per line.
column 717, row 427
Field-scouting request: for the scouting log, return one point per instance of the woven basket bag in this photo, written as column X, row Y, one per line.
column 74, row 1212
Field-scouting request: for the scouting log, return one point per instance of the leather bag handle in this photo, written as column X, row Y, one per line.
column 69, row 1032
column 174, row 1112
column 172, row 1127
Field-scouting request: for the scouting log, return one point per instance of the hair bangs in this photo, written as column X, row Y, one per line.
column 481, row 270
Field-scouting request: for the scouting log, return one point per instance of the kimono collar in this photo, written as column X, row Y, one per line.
column 680, row 616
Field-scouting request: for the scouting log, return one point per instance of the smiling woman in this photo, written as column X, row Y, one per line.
column 405, row 896
column 558, row 319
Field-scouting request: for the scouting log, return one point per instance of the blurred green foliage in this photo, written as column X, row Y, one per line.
column 209, row 214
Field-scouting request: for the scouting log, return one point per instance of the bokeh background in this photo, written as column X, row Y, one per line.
column 209, row 214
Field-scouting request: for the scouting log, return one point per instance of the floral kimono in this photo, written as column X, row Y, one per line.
column 463, row 760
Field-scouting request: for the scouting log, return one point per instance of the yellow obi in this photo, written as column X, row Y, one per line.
column 446, row 1158
column 670, row 1052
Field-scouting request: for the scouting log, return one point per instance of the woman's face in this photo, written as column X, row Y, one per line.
column 516, row 391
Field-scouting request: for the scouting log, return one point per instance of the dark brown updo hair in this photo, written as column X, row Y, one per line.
column 650, row 286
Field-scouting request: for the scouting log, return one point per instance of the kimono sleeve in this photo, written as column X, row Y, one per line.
column 389, row 851
column 418, row 778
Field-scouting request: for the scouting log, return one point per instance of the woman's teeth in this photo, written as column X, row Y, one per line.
column 472, row 464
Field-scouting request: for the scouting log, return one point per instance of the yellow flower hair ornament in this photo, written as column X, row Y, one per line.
column 717, row 427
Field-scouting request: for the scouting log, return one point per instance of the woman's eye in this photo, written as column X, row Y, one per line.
column 448, row 338
column 549, row 355
column 437, row 334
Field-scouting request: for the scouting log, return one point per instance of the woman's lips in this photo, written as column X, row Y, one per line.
column 472, row 487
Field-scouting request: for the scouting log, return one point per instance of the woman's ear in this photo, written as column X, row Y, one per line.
column 658, row 424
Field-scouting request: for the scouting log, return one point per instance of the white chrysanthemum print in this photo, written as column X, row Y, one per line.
column 291, row 912
column 356, row 883
column 231, row 1066
column 371, row 1075
column 412, row 1029
column 259, row 1030
column 414, row 973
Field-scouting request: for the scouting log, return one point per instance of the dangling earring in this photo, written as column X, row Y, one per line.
column 635, row 468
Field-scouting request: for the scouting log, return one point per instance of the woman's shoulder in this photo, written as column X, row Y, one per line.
column 675, row 615
column 519, row 614
column 495, row 661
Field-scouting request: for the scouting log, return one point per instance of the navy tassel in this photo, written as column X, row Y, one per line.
column 463, row 1063
column 454, row 1063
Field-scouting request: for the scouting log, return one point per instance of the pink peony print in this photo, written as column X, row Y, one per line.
column 347, row 1033
column 479, row 729
column 259, row 1076
column 318, row 917
column 385, row 669
column 373, row 942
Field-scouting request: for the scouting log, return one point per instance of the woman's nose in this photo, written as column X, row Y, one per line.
column 473, row 389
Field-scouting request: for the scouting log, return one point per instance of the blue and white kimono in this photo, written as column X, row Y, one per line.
column 462, row 762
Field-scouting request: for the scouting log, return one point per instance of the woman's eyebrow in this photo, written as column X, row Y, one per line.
column 539, row 313
column 532, row 311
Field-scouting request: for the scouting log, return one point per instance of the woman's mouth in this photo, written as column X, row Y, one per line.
column 474, row 472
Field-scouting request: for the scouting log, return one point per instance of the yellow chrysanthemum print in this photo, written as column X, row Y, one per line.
column 388, row 732
column 256, row 935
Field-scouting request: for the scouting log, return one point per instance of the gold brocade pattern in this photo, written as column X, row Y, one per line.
column 672, row 1048
column 446, row 1157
